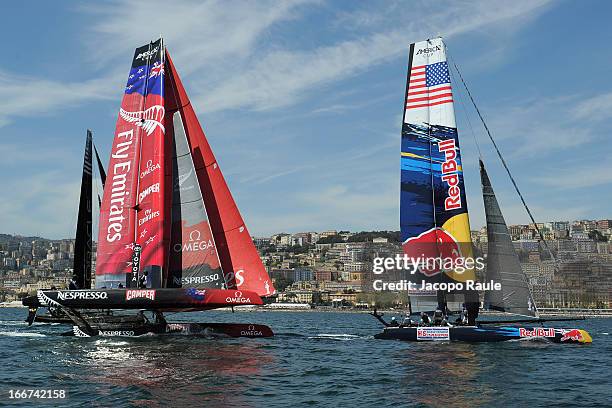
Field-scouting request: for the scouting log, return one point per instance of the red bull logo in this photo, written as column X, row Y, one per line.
column 434, row 248
column 537, row 332
column 450, row 174
column 573, row 335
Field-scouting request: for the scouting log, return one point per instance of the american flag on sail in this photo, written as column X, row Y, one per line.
column 429, row 86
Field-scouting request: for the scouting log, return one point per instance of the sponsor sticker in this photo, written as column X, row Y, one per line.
column 237, row 298
column 196, row 294
column 140, row 294
column 108, row 333
column 537, row 332
column 572, row 335
column 251, row 332
column 433, row 333
column 81, row 295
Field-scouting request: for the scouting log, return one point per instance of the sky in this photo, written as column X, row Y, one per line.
column 302, row 101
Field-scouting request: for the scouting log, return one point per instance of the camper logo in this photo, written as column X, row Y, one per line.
column 140, row 294
column 148, row 119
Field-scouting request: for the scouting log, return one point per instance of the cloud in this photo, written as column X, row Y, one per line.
column 277, row 78
column 22, row 96
column 596, row 108
column 578, row 176
column 236, row 49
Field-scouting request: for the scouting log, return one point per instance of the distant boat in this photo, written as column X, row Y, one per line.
column 434, row 221
column 83, row 245
column 170, row 234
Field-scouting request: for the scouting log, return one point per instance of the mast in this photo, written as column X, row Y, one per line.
column 83, row 239
column 503, row 264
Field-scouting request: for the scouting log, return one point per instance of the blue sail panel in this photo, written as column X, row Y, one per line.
column 433, row 206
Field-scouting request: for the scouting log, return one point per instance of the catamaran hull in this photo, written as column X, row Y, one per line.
column 152, row 299
column 476, row 334
column 198, row 329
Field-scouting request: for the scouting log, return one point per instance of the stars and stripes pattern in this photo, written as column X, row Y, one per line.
column 429, row 86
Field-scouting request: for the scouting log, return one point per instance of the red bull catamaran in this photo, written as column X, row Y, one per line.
column 171, row 237
column 435, row 224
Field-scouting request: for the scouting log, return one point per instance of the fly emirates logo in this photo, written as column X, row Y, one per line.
column 119, row 193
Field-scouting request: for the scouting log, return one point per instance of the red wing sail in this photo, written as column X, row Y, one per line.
column 240, row 262
column 150, row 200
column 138, row 116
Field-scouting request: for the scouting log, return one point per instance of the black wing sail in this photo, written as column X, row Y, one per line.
column 503, row 264
column 100, row 167
column 83, row 240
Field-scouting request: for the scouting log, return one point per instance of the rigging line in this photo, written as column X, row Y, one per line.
column 465, row 113
column 503, row 161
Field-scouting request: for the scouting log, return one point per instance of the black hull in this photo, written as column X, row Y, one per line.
column 53, row 319
column 151, row 299
column 58, row 316
column 127, row 329
column 477, row 334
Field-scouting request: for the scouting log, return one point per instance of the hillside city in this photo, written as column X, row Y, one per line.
column 334, row 268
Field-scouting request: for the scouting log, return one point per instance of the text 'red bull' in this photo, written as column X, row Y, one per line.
column 450, row 174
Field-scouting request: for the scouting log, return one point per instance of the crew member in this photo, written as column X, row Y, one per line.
column 407, row 322
column 438, row 317
column 143, row 279
column 425, row 321
column 472, row 305
column 73, row 283
column 463, row 315
column 393, row 322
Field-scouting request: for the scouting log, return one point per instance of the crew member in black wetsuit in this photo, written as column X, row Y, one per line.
column 143, row 279
column 73, row 283
column 425, row 321
column 472, row 305
column 393, row 322
column 438, row 317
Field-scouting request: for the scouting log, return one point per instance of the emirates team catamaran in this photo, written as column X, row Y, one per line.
column 434, row 222
column 171, row 237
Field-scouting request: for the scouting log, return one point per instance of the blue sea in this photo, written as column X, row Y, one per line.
column 316, row 359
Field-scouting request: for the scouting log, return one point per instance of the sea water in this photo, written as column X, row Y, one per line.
column 316, row 359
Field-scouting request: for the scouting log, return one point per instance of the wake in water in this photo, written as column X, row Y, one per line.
column 12, row 323
column 338, row 337
column 21, row 334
